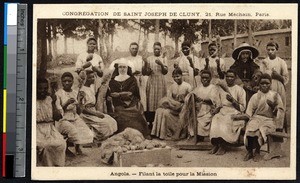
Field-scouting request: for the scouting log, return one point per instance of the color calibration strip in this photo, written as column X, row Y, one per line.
column 15, row 60
column 9, row 87
column 4, row 93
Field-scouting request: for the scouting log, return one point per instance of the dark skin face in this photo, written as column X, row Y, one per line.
column 205, row 79
column 186, row 50
column 91, row 46
column 212, row 50
column 271, row 50
column 157, row 50
column 90, row 79
column 42, row 91
column 134, row 50
column 230, row 78
column 256, row 77
column 264, row 85
column 67, row 83
column 177, row 78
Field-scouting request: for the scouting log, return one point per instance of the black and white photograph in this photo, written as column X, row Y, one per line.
column 142, row 92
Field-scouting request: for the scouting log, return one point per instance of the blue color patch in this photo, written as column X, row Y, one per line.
column 5, row 24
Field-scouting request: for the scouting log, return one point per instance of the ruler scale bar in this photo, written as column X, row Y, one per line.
column 21, row 88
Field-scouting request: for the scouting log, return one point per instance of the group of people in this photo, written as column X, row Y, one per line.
column 205, row 100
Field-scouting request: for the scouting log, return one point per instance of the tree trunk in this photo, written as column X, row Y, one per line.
column 107, row 45
column 101, row 38
column 96, row 36
column 176, row 46
column 43, row 65
column 250, row 35
column 147, row 34
column 156, row 38
column 144, row 50
column 140, row 30
column 49, row 41
column 209, row 30
column 145, row 41
column 112, row 42
column 65, row 45
column 165, row 39
column 234, row 34
column 73, row 42
column 54, row 25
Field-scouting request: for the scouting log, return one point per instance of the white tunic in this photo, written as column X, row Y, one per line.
column 280, row 66
column 187, row 70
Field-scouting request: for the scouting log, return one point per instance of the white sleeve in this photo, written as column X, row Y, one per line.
column 112, row 65
column 58, row 103
column 197, row 62
column 101, row 64
column 284, row 71
column 252, row 105
column 97, row 61
column 202, row 64
column 79, row 61
column 222, row 65
column 242, row 99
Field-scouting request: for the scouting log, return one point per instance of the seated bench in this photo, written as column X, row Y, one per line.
column 275, row 134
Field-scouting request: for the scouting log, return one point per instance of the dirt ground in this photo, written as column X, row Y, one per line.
column 192, row 158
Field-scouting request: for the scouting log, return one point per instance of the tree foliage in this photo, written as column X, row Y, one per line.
column 103, row 30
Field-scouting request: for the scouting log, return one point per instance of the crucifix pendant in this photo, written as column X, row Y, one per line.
column 245, row 72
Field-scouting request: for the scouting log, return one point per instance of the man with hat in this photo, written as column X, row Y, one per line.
column 245, row 67
column 188, row 63
column 214, row 63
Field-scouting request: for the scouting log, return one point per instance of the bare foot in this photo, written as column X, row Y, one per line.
column 248, row 156
column 257, row 157
column 78, row 149
column 214, row 150
column 69, row 153
column 221, row 151
column 148, row 137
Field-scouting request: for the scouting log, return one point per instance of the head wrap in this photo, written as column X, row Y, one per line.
column 122, row 61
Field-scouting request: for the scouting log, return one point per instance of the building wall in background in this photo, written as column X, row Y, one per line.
column 260, row 40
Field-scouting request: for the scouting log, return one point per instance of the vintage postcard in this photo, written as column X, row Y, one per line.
column 164, row 91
